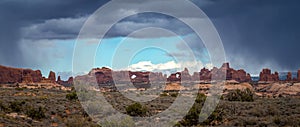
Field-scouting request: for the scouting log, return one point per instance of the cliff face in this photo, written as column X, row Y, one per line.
column 9, row 75
column 266, row 75
column 107, row 76
column 289, row 76
column 298, row 75
column 16, row 75
column 176, row 77
column 225, row 72
column 52, row 77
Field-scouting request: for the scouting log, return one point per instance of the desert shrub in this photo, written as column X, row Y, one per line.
column 239, row 95
column 276, row 120
column 192, row 118
column 16, row 106
column 215, row 117
column 174, row 94
column 200, row 98
column 136, row 109
column 72, row 96
column 19, row 89
column 2, row 106
column 35, row 113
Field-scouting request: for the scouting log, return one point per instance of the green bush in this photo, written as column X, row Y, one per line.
column 19, row 89
column 16, row 106
column 72, row 96
column 200, row 98
column 174, row 94
column 216, row 115
column 2, row 106
column 192, row 118
column 136, row 109
column 35, row 113
column 238, row 95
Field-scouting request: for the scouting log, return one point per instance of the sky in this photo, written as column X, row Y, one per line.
column 256, row 34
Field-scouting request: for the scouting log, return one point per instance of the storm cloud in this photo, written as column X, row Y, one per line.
column 16, row 15
column 255, row 33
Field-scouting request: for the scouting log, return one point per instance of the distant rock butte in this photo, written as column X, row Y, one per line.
column 105, row 76
column 298, row 75
column 14, row 75
column 289, row 77
column 266, row 75
column 52, row 77
column 9, row 75
column 225, row 73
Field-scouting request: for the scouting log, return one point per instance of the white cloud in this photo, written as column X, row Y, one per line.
column 167, row 67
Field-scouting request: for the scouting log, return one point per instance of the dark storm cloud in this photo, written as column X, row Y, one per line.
column 16, row 14
column 255, row 33
column 144, row 20
column 259, row 33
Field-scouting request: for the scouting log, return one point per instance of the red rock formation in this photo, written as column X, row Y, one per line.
column 106, row 75
column 157, row 77
column 52, row 77
column 289, row 76
column 298, row 75
column 225, row 66
column 70, row 80
column 14, row 75
column 205, row 74
column 196, row 76
column 182, row 76
column 225, row 72
column 67, row 83
column 18, row 75
column 59, row 81
column 30, row 76
column 103, row 75
column 139, row 77
column 266, row 75
column 240, row 75
column 176, row 77
column 185, row 75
